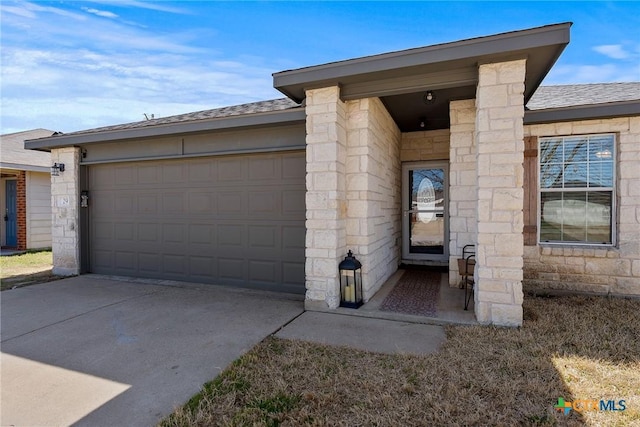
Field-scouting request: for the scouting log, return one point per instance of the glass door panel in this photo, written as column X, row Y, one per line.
column 425, row 232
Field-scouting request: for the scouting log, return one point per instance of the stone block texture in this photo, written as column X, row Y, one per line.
column 373, row 191
column 463, row 182
column 353, row 193
column 500, row 194
column 65, row 212
column 326, row 194
column 596, row 269
column 425, row 145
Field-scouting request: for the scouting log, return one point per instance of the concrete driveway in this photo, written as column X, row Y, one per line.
column 96, row 351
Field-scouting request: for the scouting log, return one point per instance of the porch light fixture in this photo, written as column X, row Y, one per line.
column 423, row 122
column 57, row 168
column 350, row 270
column 429, row 97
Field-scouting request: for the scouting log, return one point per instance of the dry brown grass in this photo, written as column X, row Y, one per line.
column 25, row 269
column 571, row 347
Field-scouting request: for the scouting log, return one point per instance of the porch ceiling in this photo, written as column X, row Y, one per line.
column 450, row 70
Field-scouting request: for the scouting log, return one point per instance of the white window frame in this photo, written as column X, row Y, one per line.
column 576, row 189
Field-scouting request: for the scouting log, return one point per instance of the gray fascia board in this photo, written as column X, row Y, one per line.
column 582, row 112
column 475, row 50
column 29, row 168
column 248, row 120
column 531, row 90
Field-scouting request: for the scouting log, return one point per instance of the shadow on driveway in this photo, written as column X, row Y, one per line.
column 93, row 350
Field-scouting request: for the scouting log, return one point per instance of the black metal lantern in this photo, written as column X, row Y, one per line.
column 350, row 270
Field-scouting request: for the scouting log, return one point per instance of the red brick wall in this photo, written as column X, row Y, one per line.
column 21, row 208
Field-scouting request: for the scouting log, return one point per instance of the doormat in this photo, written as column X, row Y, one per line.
column 415, row 293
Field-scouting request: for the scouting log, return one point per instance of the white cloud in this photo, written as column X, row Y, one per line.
column 79, row 71
column 614, row 51
column 145, row 5
column 102, row 13
column 604, row 73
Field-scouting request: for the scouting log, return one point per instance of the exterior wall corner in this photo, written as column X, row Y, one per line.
column 65, row 230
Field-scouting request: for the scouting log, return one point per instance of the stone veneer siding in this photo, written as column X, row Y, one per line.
column 425, row 145
column 373, row 175
column 326, row 194
column 500, row 147
column 602, row 270
column 64, row 201
column 353, row 193
column 463, row 191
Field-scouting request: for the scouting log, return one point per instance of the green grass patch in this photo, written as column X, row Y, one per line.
column 26, row 269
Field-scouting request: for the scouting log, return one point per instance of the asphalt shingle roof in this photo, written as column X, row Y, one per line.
column 544, row 98
column 584, row 94
column 216, row 113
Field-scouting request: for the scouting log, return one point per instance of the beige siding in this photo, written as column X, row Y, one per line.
column 38, row 210
column 598, row 269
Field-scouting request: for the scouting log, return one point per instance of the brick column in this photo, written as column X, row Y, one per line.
column 500, row 145
column 65, row 212
column 325, row 198
column 462, row 182
column 21, row 211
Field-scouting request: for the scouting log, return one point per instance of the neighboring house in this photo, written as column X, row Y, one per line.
column 404, row 157
column 25, row 192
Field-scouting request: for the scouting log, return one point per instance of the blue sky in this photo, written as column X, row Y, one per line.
column 71, row 65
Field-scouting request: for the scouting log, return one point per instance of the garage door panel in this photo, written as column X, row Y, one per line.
column 229, row 220
column 126, row 261
column 293, row 203
column 229, row 204
column 124, row 232
column 231, row 169
column 174, row 264
column 292, row 168
column 124, row 176
column 263, row 271
column 147, row 174
column 174, row 173
column 149, row 262
column 264, row 169
column 263, row 236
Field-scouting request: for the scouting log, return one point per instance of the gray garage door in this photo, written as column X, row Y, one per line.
column 233, row 220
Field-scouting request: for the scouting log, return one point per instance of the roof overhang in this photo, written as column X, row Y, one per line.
column 19, row 167
column 583, row 112
column 272, row 118
column 434, row 67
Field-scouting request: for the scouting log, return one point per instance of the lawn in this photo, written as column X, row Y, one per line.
column 25, row 269
column 577, row 348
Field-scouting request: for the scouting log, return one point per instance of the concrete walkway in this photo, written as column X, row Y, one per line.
column 99, row 351
column 378, row 335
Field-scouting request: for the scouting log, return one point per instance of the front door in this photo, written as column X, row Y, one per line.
column 425, row 219
column 10, row 214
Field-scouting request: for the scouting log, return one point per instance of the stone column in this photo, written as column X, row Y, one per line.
column 326, row 196
column 463, row 185
column 65, row 212
column 373, row 177
column 500, row 146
